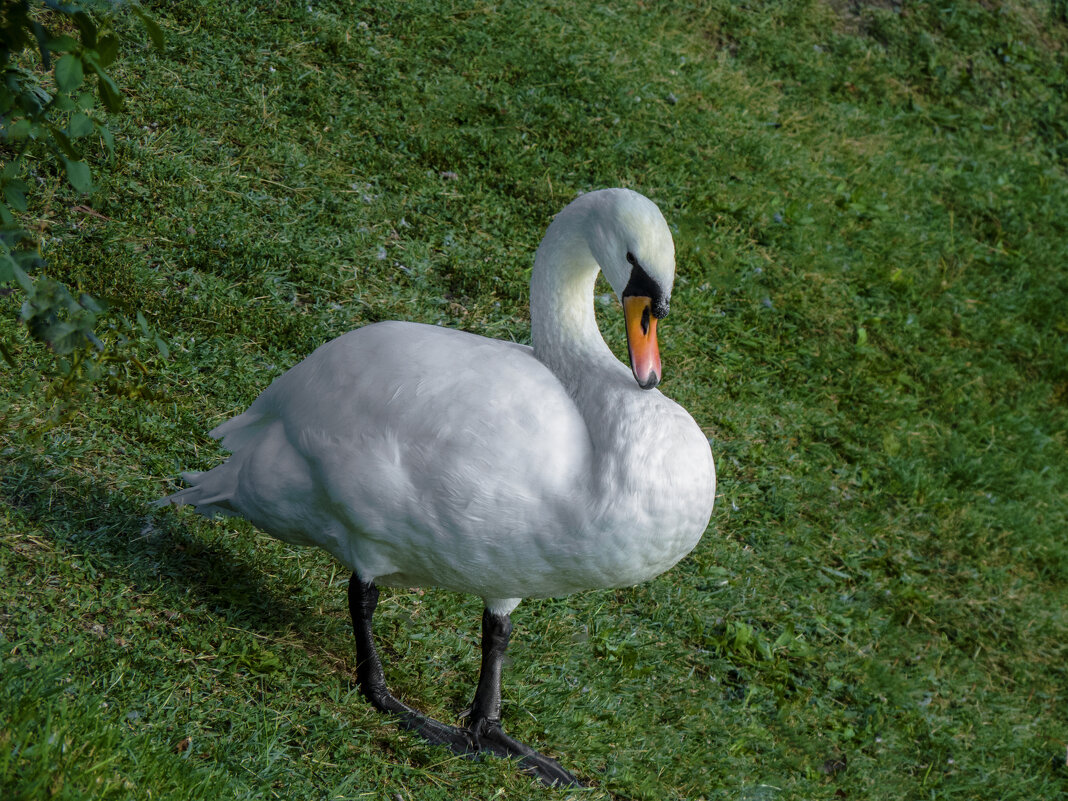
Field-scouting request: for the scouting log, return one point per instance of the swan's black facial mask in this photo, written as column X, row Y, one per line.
column 642, row 285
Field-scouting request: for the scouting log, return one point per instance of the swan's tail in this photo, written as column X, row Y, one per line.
column 209, row 492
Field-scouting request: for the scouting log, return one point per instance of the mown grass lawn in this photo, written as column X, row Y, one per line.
column 870, row 323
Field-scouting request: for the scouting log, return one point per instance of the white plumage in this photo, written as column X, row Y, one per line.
column 423, row 456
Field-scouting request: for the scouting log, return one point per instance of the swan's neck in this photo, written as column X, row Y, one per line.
column 563, row 324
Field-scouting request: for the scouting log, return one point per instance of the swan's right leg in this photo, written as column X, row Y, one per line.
column 363, row 598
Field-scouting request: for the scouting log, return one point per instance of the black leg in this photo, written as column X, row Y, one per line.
column 486, row 708
column 496, row 632
column 363, row 598
column 485, row 733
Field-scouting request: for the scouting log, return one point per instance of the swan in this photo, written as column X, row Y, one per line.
column 420, row 456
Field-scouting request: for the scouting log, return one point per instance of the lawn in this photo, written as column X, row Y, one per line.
column 870, row 323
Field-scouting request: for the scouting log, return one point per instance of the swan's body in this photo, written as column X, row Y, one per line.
column 506, row 490
column 422, row 456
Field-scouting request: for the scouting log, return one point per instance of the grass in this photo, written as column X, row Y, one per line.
column 870, row 323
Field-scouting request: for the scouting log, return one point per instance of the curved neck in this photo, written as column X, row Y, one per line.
column 562, row 320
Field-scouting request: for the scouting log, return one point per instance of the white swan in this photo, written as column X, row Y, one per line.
column 423, row 456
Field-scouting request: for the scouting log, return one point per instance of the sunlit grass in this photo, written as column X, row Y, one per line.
column 869, row 205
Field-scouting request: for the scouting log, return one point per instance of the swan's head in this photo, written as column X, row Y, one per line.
column 631, row 243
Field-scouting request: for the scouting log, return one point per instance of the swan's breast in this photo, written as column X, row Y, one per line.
column 657, row 484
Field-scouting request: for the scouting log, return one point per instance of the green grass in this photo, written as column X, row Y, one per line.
column 870, row 323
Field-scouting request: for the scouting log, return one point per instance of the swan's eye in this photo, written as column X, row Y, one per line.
column 630, row 258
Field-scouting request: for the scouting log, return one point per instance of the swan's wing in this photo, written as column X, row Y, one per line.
column 403, row 431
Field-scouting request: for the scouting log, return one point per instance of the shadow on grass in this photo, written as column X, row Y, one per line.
column 189, row 566
column 156, row 551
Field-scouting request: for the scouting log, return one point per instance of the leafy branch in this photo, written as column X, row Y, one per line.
column 57, row 117
column 49, row 109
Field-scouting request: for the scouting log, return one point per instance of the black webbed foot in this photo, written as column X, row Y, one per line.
column 486, row 737
column 491, row 738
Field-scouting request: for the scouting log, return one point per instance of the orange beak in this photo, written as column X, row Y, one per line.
column 641, row 340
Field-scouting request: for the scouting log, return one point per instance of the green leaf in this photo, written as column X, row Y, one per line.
column 8, row 357
column 87, row 28
column 15, row 195
column 33, row 100
column 91, row 63
column 108, row 137
column 64, row 337
column 80, row 125
column 39, row 33
column 155, row 33
column 18, row 130
column 28, row 259
column 87, row 301
column 22, row 279
column 109, row 92
column 61, row 44
column 78, row 174
column 107, row 49
column 60, row 137
column 7, row 266
column 69, row 73
column 141, row 321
